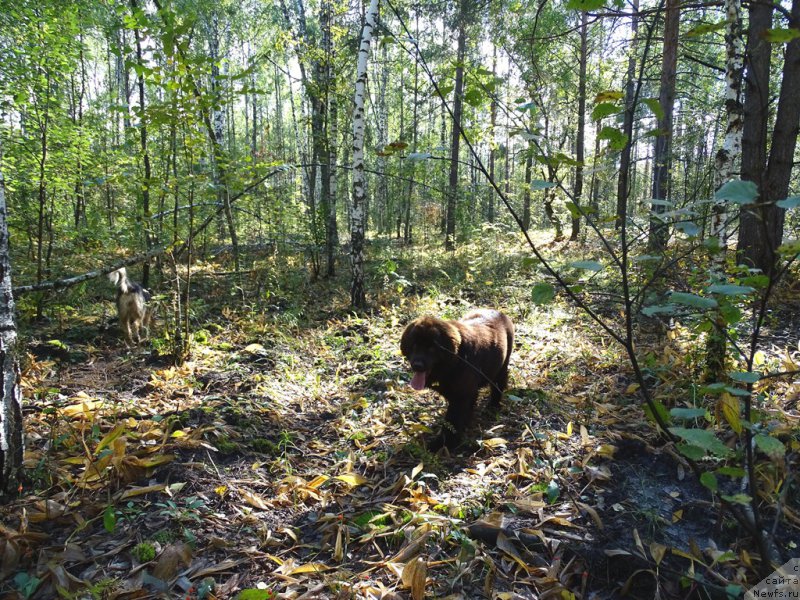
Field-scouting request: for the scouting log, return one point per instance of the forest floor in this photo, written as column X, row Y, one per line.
column 286, row 458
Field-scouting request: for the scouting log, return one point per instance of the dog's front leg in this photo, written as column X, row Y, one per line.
column 459, row 414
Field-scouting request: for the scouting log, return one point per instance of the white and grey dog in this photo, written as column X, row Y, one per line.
column 132, row 299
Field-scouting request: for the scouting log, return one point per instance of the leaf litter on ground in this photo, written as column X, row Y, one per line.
column 289, row 459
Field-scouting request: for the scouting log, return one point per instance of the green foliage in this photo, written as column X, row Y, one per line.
column 770, row 446
column 26, row 584
column 701, row 439
column 542, row 293
column 144, row 552
column 255, row 594
column 738, row 192
column 782, row 35
column 587, row 265
column 616, row 139
column 110, row 519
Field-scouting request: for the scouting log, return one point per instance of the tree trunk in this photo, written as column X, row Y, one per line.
column 750, row 248
column 407, row 232
column 549, row 200
column 662, row 153
column 725, row 160
column 11, row 439
column 580, row 141
column 782, row 149
column 526, row 192
column 327, row 147
column 145, row 217
column 452, row 190
column 623, row 182
column 357, row 222
column 759, row 244
column 44, row 126
column 492, row 143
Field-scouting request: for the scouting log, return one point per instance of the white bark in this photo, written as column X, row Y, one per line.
column 731, row 148
column 357, row 213
column 11, row 441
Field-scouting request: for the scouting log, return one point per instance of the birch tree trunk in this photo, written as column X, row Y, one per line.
column 731, row 148
column 357, row 213
column 724, row 163
column 492, row 144
column 216, row 131
column 452, row 191
column 11, row 441
column 581, row 136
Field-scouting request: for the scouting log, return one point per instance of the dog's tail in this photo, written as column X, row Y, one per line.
column 120, row 279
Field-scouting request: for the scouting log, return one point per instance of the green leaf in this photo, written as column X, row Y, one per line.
column 738, row 192
column 692, row 452
column 744, row 376
column 616, row 139
column 609, row 96
column 790, row 248
column 660, row 409
column 790, row 202
column 731, row 471
column 770, row 446
column 757, row 281
column 552, row 492
column 709, row 480
column 659, row 309
column 733, row 591
column 655, row 107
column 588, row 265
column 730, row 313
column 687, row 227
column 573, row 210
column 706, row 28
column 737, row 391
column 688, row 413
column 730, row 289
column 585, row 5
column 539, row 184
column 446, row 88
column 781, row 35
column 474, row 97
column 110, row 519
column 738, row 499
column 603, row 110
column 702, row 438
column 713, row 388
column 693, row 300
column 419, row 156
column 646, row 258
column 255, row 594
column 658, row 131
column 542, row 293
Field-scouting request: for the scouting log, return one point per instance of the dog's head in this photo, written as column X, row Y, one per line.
column 429, row 342
column 118, row 276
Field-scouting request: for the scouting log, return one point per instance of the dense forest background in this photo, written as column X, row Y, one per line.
column 295, row 180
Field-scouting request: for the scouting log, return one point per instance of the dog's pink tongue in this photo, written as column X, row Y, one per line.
column 418, row 381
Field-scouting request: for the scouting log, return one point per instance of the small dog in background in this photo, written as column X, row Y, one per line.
column 132, row 299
